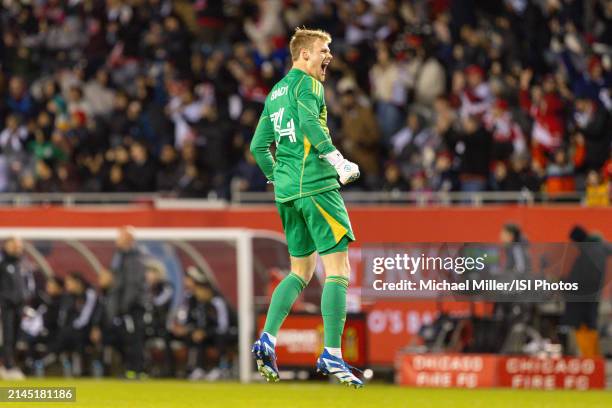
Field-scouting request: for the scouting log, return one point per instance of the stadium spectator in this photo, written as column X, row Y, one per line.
column 388, row 81
column 597, row 191
column 394, row 181
column 140, row 171
column 508, row 137
column 19, row 101
column 109, row 75
column 168, row 171
column 248, row 176
column 445, row 176
column 593, row 123
column 360, row 133
column 99, row 95
column 473, row 91
column 560, row 174
column 544, row 105
column 414, row 138
column 473, row 145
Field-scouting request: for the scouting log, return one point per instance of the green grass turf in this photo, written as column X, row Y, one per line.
column 184, row 394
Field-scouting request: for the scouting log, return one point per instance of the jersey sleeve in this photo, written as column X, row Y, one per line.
column 309, row 98
column 260, row 145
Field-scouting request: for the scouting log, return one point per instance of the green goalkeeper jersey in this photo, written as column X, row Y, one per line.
column 295, row 119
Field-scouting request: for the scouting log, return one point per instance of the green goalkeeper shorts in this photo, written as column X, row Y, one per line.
column 316, row 223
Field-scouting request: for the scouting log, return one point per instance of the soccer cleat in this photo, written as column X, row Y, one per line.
column 331, row 365
column 130, row 375
column 265, row 357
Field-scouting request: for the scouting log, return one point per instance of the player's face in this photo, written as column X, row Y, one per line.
column 320, row 58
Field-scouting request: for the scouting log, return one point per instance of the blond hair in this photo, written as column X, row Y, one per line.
column 304, row 38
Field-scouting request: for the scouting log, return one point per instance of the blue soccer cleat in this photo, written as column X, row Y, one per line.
column 265, row 357
column 331, row 365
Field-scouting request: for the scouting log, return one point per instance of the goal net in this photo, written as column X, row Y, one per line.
column 235, row 261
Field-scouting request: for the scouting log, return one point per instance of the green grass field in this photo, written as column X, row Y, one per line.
column 183, row 394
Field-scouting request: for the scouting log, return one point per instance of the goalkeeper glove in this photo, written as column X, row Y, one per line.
column 348, row 171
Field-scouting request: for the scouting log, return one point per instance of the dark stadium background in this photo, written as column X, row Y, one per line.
column 463, row 115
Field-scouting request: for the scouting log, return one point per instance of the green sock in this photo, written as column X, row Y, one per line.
column 282, row 300
column 333, row 309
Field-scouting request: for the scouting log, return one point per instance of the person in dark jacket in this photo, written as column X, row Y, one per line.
column 106, row 331
column 179, row 326
column 141, row 170
column 54, row 289
column 160, row 294
column 473, row 145
column 75, row 315
column 588, row 271
column 201, row 324
column 222, row 335
column 48, row 309
column 593, row 122
column 159, row 299
column 127, row 297
column 168, row 173
column 12, row 297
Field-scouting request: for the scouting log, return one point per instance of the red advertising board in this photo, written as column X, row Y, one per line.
column 300, row 340
column 490, row 370
column 559, row 373
column 372, row 224
column 392, row 325
column 448, row 370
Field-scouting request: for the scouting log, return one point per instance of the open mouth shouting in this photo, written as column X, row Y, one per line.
column 324, row 68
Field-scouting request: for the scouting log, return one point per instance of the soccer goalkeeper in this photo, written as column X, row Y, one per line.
column 305, row 174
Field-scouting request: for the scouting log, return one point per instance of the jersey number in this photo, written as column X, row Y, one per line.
column 289, row 130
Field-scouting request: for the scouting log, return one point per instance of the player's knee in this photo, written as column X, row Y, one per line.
column 305, row 275
column 304, row 267
column 336, row 264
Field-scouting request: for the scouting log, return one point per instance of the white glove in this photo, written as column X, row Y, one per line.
column 348, row 171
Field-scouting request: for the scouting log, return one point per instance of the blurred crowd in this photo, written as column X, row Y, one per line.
column 425, row 95
column 131, row 320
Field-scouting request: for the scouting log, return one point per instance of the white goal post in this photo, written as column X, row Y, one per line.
column 241, row 237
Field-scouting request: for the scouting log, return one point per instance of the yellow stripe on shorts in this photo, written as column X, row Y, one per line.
column 337, row 229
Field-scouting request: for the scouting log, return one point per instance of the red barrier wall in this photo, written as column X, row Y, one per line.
column 371, row 223
column 489, row 370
